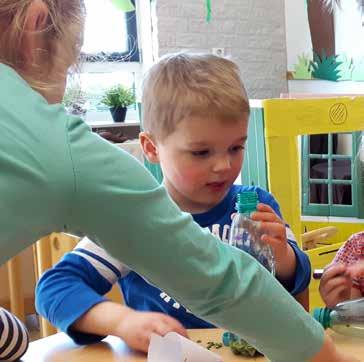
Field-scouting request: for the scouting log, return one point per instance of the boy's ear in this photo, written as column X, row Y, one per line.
column 35, row 23
column 150, row 150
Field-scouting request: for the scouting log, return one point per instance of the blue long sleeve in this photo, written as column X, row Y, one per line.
column 67, row 291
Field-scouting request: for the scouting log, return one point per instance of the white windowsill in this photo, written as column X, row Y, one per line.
column 349, row 220
column 109, row 67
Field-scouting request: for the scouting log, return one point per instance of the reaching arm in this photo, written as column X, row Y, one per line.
column 86, row 274
column 134, row 327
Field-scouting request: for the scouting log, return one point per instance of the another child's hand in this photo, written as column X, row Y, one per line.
column 335, row 285
column 356, row 270
column 136, row 328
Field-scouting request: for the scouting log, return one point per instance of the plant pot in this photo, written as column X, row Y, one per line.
column 118, row 113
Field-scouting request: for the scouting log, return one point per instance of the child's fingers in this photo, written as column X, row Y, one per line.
column 175, row 326
column 356, row 270
column 336, row 295
column 162, row 329
column 273, row 242
column 264, row 208
column 333, row 271
column 273, row 229
column 266, row 216
column 336, row 283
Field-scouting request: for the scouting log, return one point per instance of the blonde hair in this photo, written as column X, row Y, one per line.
column 62, row 36
column 184, row 85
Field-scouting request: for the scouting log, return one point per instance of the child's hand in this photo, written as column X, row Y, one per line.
column 273, row 231
column 356, row 270
column 272, row 226
column 335, row 285
column 136, row 328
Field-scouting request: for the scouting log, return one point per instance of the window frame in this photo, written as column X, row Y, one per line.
column 330, row 209
column 132, row 54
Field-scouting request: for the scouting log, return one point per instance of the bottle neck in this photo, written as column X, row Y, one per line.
column 245, row 209
column 322, row 315
column 245, row 213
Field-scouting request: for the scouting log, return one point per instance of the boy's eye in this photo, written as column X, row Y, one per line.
column 237, row 148
column 200, row 153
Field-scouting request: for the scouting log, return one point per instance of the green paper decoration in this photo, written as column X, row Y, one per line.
column 208, row 8
column 302, row 70
column 124, row 5
column 326, row 67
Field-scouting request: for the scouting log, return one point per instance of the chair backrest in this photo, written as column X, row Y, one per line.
column 16, row 291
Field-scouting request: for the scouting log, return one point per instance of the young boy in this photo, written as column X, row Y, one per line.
column 343, row 279
column 195, row 119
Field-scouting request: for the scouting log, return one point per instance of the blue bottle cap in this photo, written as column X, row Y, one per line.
column 322, row 315
column 228, row 337
column 246, row 202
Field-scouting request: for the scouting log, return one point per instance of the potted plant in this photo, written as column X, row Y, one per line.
column 75, row 99
column 118, row 98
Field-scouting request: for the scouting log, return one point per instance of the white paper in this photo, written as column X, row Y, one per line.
column 175, row 348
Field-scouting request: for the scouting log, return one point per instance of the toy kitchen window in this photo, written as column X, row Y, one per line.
column 331, row 175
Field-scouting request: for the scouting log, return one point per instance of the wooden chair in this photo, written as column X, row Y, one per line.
column 312, row 239
column 16, row 292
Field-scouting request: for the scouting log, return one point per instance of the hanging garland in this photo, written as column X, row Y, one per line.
column 208, row 10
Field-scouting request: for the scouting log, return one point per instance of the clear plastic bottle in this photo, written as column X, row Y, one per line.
column 345, row 318
column 245, row 233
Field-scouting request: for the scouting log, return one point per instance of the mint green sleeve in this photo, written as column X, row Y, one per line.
column 56, row 175
column 120, row 205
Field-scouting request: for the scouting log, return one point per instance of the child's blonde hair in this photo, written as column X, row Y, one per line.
column 62, row 35
column 185, row 85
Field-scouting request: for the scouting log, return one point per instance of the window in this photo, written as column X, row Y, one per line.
column 110, row 56
column 331, row 175
column 117, row 40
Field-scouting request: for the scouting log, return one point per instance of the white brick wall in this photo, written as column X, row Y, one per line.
column 251, row 31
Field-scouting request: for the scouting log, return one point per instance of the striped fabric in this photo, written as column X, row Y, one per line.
column 110, row 268
column 14, row 338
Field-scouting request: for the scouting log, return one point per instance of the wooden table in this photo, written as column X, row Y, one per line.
column 60, row 348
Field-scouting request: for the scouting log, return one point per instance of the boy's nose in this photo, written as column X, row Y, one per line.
column 222, row 164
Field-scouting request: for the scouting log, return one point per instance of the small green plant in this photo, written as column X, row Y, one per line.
column 119, row 97
column 302, row 70
column 74, row 99
column 325, row 67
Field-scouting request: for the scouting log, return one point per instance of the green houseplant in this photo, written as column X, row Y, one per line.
column 118, row 98
column 74, row 100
